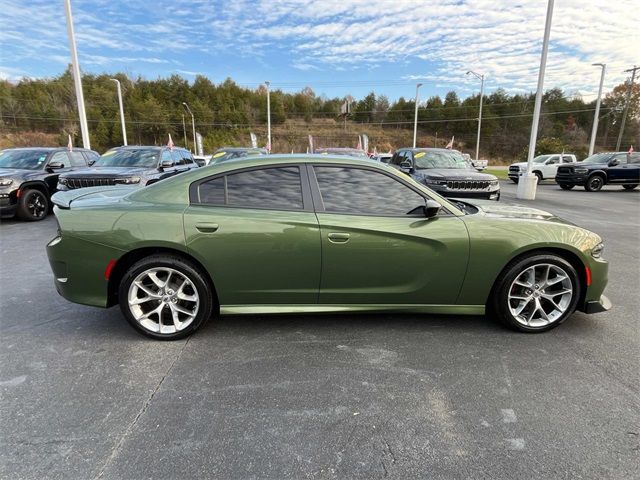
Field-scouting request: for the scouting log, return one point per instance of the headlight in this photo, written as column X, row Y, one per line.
column 596, row 252
column 494, row 183
column 63, row 181
column 127, row 180
column 434, row 181
column 5, row 182
column 581, row 170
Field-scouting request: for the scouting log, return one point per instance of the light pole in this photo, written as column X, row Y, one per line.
column 184, row 132
column 594, row 130
column 77, row 79
column 528, row 182
column 124, row 130
column 193, row 125
column 626, row 105
column 481, row 77
column 268, row 117
column 415, row 120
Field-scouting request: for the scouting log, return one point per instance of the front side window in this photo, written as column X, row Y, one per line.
column 622, row 158
column 364, row 192
column 77, row 159
column 277, row 188
column 60, row 157
column 552, row 161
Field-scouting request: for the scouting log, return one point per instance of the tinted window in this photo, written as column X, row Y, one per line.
column 276, row 188
column 621, row 158
column 268, row 188
column 23, row 159
column 398, row 158
column 60, row 157
column 77, row 159
column 358, row 191
column 129, row 157
column 212, row 191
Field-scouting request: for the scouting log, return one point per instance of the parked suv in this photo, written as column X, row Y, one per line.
column 446, row 172
column 133, row 165
column 596, row 171
column 544, row 166
column 28, row 178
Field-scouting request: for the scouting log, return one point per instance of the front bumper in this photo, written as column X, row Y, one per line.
column 575, row 179
column 8, row 204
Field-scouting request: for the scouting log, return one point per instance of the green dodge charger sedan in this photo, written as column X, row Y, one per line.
column 311, row 233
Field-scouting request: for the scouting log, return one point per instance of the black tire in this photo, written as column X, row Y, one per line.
column 539, row 175
column 33, row 205
column 566, row 186
column 630, row 187
column 198, row 280
column 594, row 183
column 514, row 180
column 499, row 304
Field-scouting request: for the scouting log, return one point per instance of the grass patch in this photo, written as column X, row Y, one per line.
column 501, row 174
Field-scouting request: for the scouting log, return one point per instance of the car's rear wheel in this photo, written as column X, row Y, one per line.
column 33, row 205
column 566, row 186
column 594, row 183
column 165, row 297
column 630, row 187
column 536, row 293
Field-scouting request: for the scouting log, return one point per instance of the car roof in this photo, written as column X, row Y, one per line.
column 429, row 149
column 45, row 149
column 241, row 149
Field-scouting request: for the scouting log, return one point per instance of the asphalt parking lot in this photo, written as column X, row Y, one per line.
column 336, row 396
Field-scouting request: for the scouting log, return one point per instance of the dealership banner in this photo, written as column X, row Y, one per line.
column 200, row 147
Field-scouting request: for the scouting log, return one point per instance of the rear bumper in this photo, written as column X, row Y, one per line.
column 597, row 306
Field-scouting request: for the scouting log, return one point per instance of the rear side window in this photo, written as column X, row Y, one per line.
column 272, row 188
column 364, row 192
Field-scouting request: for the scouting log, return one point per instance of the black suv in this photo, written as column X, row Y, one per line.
column 28, row 178
column 446, row 172
column 133, row 165
column 596, row 171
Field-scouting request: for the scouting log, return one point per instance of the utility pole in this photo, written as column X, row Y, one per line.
column 77, row 79
column 594, row 130
column 481, row 77
column 184, row 132
column 124, row 130
column 268, row 117
column 415, row 120
column 193, row 125
column 529, row 182
column 626, row 105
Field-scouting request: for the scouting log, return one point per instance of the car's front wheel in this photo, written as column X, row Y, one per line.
column 165, row 297
column 630, row 187
column 32, row 205
column 536, row 293
column 566, row 186
column 594, row 183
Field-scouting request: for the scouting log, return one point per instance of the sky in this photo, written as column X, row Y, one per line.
column 336, row 47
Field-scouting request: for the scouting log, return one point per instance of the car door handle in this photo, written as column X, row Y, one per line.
column 207, row 227
column 338, row 237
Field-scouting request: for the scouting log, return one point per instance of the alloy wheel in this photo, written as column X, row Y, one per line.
column 37, row 206
column 540, row 295
column 595, row 183
column 163, row 300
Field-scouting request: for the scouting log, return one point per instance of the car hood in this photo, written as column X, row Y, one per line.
column 454, row 174
column 16, row 172
column 106, row 172
column 518, row 164
column 502, row 210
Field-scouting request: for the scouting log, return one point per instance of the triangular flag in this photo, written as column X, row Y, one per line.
column 170, row 143
column 450, row 144
column 631, row 150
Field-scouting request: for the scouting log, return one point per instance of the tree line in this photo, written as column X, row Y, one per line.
column 226, row 112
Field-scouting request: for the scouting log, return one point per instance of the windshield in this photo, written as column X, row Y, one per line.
column 598, row 158
column 224, row 155
column 23, row 159
column 129, row 158
column 436, row 159
column 541, row 158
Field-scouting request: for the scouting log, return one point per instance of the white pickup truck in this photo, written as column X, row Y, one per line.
column 544, row 166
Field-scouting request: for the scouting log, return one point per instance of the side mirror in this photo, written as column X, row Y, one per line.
column 55, row 165
column 407, row 166
column 166, row 164
column 614, row 162
column 431, row 208
column 91, row 162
